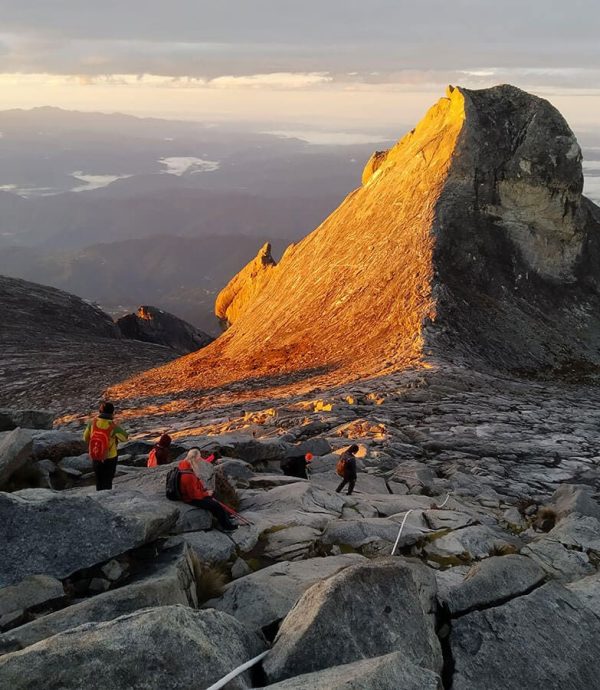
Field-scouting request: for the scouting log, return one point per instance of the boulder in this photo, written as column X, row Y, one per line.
column 493, row 581
column 471, row 543
column 290, row 543
column 301, row 503
column 27, row 419
column 368, row 610
column 578, row 532
column 562, row 563
column 210, row 547
column 32, row 592
column 588, row 591
column 540, row 640
column 56, row 445
column 574, row 498
column 266, row 596
column 389, row 672
column 358, row 533
column 153, row 325
column 79, row 463
column 150, row 481
column 169, row 580
column 57, row 534
column 15, row 451
column 162, row 648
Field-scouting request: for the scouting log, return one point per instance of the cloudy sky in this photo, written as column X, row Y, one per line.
column 352, row 63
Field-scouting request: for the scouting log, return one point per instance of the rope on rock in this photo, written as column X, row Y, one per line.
column 404, row 522
column 400, row 531
column 236, row 672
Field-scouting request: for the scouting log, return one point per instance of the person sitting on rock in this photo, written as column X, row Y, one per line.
column 346, row 468
column 159, row 455
column 194, row 491
column 295, row 466
column 102, row 436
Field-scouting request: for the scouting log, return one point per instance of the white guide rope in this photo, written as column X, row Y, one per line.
column 236, row 672
column 404, row 522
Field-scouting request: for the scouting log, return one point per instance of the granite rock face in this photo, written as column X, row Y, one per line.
column 52, row 533
column 167, row 647
column 59, row 352
column 245, row 287
column 153, row 325
column 476, row 245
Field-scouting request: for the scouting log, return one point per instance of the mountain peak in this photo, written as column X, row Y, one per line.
column 469, row 241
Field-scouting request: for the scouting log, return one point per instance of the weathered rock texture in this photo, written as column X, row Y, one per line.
column 365, row 611
column 469, row 240
column 57, row 350
column 163, row 648
column 153, row 325
column 241, row 290
column 56, row 534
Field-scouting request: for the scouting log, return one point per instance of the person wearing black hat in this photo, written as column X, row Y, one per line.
column 103, row 436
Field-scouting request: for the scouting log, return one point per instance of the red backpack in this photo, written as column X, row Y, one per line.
column 340, row 468
column 100, row 442
column 152, row 461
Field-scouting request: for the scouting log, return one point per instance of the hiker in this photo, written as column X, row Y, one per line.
column 102, row 436
column 194, row 492
column 346, row 468
column 295, row 466
column 159, row 455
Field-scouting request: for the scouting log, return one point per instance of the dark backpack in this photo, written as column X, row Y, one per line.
column 172, row 490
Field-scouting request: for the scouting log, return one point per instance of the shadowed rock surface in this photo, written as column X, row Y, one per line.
column 59, row 351
column 152, row 325
column 197, row 648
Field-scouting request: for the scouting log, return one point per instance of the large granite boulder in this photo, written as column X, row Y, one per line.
column 367, row 610
column 266, row 596
column 494, row 581
column 539, row 640
column 570, row 498
column 57, row 534
column 162, row 648
column 169, row 580
column 15, row 452
column 29, row 594
column 389, row 672
column 28, row 419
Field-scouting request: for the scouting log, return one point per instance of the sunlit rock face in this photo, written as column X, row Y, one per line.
column 244, row 287
column 468, row 241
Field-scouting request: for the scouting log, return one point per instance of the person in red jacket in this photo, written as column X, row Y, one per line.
column 159, row 455
column 194, row 492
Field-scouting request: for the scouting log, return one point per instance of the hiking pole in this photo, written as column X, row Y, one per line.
column 234, row 513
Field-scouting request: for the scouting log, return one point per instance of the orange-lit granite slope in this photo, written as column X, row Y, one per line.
column 468, row 240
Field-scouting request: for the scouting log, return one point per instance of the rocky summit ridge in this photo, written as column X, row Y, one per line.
column 468, row 556
column 468, row 242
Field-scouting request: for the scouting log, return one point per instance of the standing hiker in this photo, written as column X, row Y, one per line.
column 102, row 436
column 159, row 455
column 192, row 490
column 346, row 468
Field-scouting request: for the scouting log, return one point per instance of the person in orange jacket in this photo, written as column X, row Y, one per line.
column 159, row 455
column 194, row 492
